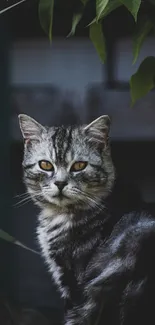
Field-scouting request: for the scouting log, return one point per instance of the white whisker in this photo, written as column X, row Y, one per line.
column 87, row 198
column 20, row 195
column 26, row 199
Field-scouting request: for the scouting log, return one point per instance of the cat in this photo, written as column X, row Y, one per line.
column 102, row 269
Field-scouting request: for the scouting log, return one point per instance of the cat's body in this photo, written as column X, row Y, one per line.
column 87, row 267
column 97, row 265
column 126, row 282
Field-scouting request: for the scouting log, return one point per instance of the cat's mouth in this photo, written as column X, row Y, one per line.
column 60, row 199
column 60, row 196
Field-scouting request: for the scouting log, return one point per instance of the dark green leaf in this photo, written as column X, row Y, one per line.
column 100, row 7
column 77, row 17
column 75, row 21
column 5, row 236
column 84, row 1
column 133, row 6
column 46, row 16
column 143, row 30
column 97, row 37
column 152, row 1
column 10, row 7
column 143, row 80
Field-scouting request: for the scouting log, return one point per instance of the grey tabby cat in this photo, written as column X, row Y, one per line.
column 68, row 172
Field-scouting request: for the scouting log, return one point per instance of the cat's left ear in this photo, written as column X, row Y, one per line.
column 98, row 130
column 31, row 129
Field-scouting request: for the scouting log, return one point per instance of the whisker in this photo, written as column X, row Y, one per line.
column 26, row 199
column 87, row 198
column 20, row 195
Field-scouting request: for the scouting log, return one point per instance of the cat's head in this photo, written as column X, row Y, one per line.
column 67, row 166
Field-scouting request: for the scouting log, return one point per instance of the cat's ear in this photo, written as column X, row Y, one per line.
column 98, row 130
column 31, row 129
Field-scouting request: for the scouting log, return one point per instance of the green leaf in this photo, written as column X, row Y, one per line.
column 5, row 236
column 138, row 40
column 97, row 38
column 75, row 21
column 46, row 16
column 92, row 22
column 100, row 7
column 143, row 80
column 111, row 6
column 10, row 7
column 133, row 6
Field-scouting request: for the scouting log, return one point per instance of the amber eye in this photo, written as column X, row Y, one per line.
column 79, row 165
column 46, row 165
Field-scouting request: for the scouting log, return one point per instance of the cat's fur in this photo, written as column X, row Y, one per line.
column 98, row 267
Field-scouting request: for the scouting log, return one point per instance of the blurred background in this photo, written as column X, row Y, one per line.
column 58, row 84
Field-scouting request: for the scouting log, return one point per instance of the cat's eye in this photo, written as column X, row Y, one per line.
column 46, row 165
column 78, row 165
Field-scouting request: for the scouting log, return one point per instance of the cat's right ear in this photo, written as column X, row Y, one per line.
column 98, row 130
column 31, row 129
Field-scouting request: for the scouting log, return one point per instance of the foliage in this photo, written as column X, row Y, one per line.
column 5, row 236
column 144, row 79
column 13, row 313
column 144, row 25
column 46, row 15
column 144, row 21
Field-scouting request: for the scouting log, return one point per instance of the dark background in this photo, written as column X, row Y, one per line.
column 79, row 90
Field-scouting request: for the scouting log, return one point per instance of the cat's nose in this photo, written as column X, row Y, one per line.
column 60, row 184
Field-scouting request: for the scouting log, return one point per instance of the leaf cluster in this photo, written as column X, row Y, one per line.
column 144, row 79
column 144, row 21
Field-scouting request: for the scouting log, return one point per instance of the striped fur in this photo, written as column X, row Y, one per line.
column 89, row 259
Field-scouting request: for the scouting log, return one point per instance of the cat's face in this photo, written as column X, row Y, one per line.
column 67, row 166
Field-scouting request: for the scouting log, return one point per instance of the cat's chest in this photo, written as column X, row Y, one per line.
column 67, row 250
column 53, row 237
